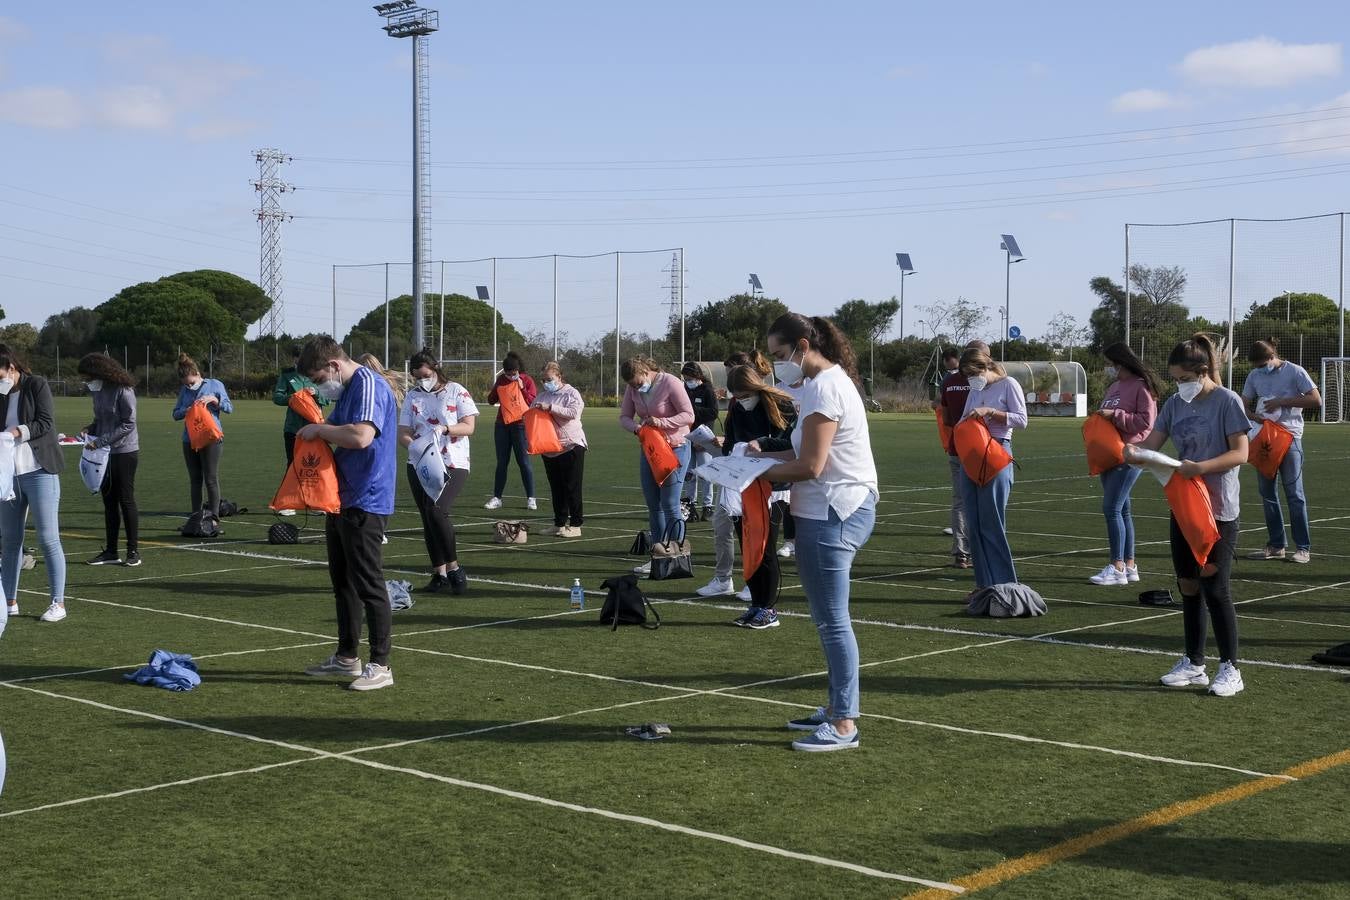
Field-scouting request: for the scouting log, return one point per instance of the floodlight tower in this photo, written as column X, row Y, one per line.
column 404, row 18
column 906, row 269
column 756, row 289
column 1010, row 249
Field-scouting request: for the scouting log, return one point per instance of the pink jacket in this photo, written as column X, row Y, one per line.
column 1132, row 407
column 667, row 404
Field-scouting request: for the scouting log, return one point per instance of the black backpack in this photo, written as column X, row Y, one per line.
column 201, row 524
column 625, row 604
column 230, row 508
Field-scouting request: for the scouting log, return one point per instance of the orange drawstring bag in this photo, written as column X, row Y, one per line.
column 1267, row 449
column 512, row 401
column 202, row 428
column 1104, row 445
column 540, row 434
column 660, row 457
column 754, row 526
column 1189, row 499
column 311, row 481
column 944, row 430
column 981, row 456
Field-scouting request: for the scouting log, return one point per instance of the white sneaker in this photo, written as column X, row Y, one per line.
column 12, row 609
column 644, row 569
column 373, row 678
column 744, row 594
column 285, row 512
column 570, row 531
column 1111, row 575
column 788, row 550
column 1185, row 673
column 948, row 532
column 1227, row 682
column 55, row 613
column 1302, row 556
column 494, row 503
column 1132, row 573
column 334, row 665
column 531, row 503
column 717, row 588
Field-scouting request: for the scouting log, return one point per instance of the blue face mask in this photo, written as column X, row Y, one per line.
column 645, row 387
column 552, row 386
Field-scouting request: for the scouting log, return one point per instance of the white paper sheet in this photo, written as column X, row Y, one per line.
column 1159, row 465
column 735, row 473
column 703, row 438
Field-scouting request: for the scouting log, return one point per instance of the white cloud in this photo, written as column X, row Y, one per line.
column 41, row 107
column 1324, row 135
column 1146, row 100
column 219, row 129
column 138, row 107
column 11, row 30
column 1261, row 62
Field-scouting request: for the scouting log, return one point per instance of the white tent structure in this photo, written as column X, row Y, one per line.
column 1051, row 388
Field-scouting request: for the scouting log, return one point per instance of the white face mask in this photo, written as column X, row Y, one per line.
column 691, row 383
column 1111, row 373
column 1189, row 390
column 427, row 384
column 331, row 387
column 552, row 386
column 787, row 371
column 1272, row 367
column 977, row 382
column 6, row 385
column 644, row 387
column 94, row 386
column 748, row 403
column 193, row 387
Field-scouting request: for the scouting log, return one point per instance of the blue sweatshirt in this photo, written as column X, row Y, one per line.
column 210, row 387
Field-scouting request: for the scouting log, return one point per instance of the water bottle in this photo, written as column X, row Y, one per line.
column 578, row 598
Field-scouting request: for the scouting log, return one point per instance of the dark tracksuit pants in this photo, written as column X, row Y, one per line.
column 356, row 567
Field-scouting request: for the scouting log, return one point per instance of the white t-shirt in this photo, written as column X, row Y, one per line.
column 24, row 460
column 850, row 474
column 423, row 411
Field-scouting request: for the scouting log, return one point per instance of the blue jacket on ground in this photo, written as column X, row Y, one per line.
column 171, row 671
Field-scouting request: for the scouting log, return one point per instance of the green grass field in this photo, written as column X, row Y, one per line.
column 1040, row 753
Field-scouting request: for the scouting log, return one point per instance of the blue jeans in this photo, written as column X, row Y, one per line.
column 663, row 500
column 1116, row 486
column 986, row 520
column 511, row 439
column 825, row 551
column 1291, row 475
column 695, row 488
column 41, row 492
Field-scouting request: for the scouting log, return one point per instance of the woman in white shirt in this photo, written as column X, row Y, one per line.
column 440, row 406
column 834, row 500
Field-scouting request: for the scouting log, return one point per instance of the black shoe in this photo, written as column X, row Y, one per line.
column 133, row 559
column 458, row 581
column 106, row 558
column 707, row 513
column 437, row 585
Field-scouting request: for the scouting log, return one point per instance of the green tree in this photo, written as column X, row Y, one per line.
column 72, row 333
column 466, row 321
column 167, row 315
column 240, row 297
column 740, row 322
column 958, row 321
column 20, row 336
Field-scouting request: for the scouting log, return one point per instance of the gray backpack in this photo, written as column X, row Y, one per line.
column 1006, row 601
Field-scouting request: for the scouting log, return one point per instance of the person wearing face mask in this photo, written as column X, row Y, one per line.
column 26, row 410
column 1279, row 391
column 510, row 439
column 952, row 401
column 997, row 400
column 565, row 470
column 113, row 390
column 762, row 418
column 1208, row 426
column 363, row 431
column 697, row 492
column 1131, row 405
column 434, row 404
column 203, row 465
column 291, row 382
column 658, row 399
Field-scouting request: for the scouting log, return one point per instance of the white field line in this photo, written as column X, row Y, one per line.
column 512, row 794
column 195, row 659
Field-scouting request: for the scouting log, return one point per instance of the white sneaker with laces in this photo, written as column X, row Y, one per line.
column 1227, row 682
column 1110, row 575
column 788, row 550
column 717, row 588
column 744, row 594
column 1302, row 556
column 373, row 677
column 1184, row 674
column 12, row 609
column 531, row 503
column 286, row 512
column 1132, row 573
column 335, row 665
column 494, row 503
column 644, row 569
column 55, row 613
column 570, row 531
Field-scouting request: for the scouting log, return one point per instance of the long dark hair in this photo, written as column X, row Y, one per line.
column 1263, row 352
column 10, row 359
column 1198, row 354
column 426, row 358
column 745, row 378
column 821, row 335
column 104, row 368
column 1124, row 357
column 754, row 359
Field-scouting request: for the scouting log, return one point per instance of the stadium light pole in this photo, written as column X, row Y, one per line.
column 1286, row 308
column 906, row 268
column 756, row 289
column 1010, row 249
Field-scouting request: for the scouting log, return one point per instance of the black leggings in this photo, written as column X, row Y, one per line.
column 202, row 466
column 789, row 526
column 565, row 473
column 288, row 438
column 1214, row 594
column 437, row 529
column 765, row 580
column 119, row 500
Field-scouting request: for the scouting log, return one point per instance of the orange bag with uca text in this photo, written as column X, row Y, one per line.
column 311, row 481
column 660, row 457
column 1189, row 499
column 1266, row 451
column 944, row 430
column 540, row 434
column 1105, row 448
column 202, row 428
column 512, row 401
column 754, row 526
column 981, row 456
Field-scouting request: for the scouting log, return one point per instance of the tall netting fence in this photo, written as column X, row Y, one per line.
column 1245, row 280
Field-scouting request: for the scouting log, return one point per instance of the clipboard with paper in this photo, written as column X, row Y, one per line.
column 735, row 473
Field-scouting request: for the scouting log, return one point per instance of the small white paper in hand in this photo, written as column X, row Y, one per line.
column 703, row 438
column 1159, row 465
column 425, row 455
column 94, row 467
column 6, row 466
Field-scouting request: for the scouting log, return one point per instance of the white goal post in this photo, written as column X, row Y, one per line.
column 1333, row 383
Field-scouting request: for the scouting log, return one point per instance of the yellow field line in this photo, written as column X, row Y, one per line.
column 1033, row 862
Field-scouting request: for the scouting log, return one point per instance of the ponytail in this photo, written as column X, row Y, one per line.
column 1198, row 354
column 754, row 359
column 821, row 335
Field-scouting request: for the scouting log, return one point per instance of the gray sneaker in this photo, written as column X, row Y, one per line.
column 373, row 678
column 333, row 665
column 811, row 722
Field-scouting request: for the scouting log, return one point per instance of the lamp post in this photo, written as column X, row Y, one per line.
column 756, row 289
column 906, row 268
column 1010, row 249
column 1287, row 317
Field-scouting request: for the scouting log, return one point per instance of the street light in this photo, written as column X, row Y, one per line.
column 906, row 268
column 756, row 289
column 1286, row 308
column 1010, row 249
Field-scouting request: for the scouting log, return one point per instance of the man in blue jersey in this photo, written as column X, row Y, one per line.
column 363, row 429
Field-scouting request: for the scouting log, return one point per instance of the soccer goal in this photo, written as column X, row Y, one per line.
column 1335, row 369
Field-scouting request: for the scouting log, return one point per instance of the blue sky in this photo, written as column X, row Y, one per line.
column 804, row 142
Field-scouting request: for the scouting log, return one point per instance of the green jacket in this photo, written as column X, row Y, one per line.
column 291, row 382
